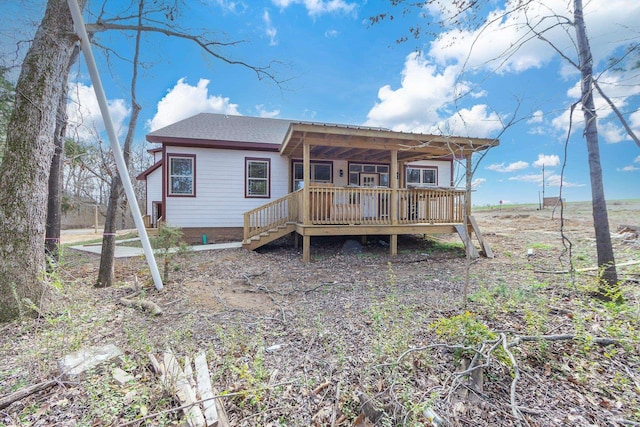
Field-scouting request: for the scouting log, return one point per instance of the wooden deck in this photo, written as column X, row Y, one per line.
column 356, row 211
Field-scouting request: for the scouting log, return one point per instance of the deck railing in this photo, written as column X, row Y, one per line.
column 273, row 214
column 372, row 206
column 434, row 206
column 358, row 206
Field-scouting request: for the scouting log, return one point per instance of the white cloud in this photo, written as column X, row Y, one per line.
column 636, row 160
column 612, row 133
column 184, row 100
column 511, row 167
column 85, row 118
column 536, row 117
column 232, row 6
column 546, row 160
column 269, row 29
column 537, row 178
column 497, row 45
column 331, row 34
column 423, row 90
column 421, row 103
column 319, row 7
column 262, row 112
column 552, row 180
column 476, row 122
column 629, row 168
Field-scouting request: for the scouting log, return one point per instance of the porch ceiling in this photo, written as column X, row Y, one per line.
column 375, row 145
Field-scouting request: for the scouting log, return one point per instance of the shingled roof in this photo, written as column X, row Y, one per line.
column 329, row 140
column 222, row 127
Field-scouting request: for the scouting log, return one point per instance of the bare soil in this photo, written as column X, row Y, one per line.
column 320, row 344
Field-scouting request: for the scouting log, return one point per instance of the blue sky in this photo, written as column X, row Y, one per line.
column 335, row 67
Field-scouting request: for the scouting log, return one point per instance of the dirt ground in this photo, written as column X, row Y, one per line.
column 357, row 333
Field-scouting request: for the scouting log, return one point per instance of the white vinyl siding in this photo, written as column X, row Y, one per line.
column 154, row 189
column 443, row 171
column 220, row 188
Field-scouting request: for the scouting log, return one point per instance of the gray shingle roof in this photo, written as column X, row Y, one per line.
column 222, row 127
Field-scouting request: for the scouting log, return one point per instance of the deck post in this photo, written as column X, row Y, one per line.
column 306, row 248
column 393, row 245
column 394, row 187
column 467, row 196
column 306, row 166
column 393, row 239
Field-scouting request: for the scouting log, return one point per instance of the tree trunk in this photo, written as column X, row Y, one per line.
column 54, row 205
column 107, row 257
column 608, row 287
column 25, row 169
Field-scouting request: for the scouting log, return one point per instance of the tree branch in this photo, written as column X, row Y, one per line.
column 626, row 126
column 207, row 45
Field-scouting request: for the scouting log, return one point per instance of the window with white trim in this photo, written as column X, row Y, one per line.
column 257, row 177
column 182, row 175
column 421, row 176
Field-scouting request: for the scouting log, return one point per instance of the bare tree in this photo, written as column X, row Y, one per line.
column 54, row 203
column 468, row 14
column 146, row 24
column 609, row 286
column 25, row 169
column 107, row 256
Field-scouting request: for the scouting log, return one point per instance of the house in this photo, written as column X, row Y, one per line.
column 257, row 179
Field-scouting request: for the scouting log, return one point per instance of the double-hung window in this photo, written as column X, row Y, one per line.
column 182, row 175
column 257, row 177
column 421, row 176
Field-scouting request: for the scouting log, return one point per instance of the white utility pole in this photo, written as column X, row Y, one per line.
column 78, row 22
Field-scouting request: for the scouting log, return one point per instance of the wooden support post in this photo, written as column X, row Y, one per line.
column 306, row 248
column 393, row 245
column 468, row 244
column 394, row 187
column 469, row 176
column 306, row 165
column 483, row 244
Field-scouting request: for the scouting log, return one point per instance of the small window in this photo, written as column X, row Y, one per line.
column 257, row 173
column 182, row 175
column 422, row 176
column 320, row 172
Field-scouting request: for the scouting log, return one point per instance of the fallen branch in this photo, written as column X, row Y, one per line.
column 561, row 337
column 584, row 270
column 141, row 304
column 25, row 392
column 515, row 410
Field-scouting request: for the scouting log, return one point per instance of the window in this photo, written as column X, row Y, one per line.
column 417, row 176
column 320, row 172
column 257, row 177
column 356, row 168
column 182, row 175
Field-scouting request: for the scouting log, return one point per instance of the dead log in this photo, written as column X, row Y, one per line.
column 25, row 392
column 142, row 304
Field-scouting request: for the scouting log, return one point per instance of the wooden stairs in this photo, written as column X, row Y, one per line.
column 269, row 236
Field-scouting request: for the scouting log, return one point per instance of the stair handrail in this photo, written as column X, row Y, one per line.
column 271, row 215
